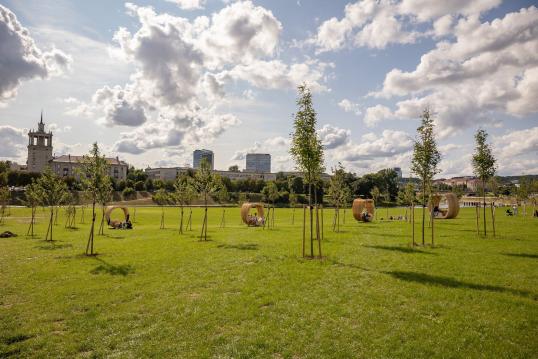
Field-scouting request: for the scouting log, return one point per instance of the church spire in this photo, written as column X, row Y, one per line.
column 41, row 125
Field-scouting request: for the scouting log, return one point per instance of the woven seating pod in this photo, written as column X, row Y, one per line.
column 359, row 205
column 108, row 211
column 245, row 210
column 452, row 202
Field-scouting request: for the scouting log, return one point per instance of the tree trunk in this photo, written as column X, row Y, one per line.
column 343, row 218
column 51, row 222
column 317, row 223
column 102, row 225
column 189, row 222
column 493, row 218
column 82, row 215
column 322, row 234
column 89, row 246
column 181, row 221
column 412, row 219
column 423, row 210
column 304, row 229
column 134, row 215
column 433, row 223
column 477, row 213
column 484, row 203
column 162, row 218
column 311, row 220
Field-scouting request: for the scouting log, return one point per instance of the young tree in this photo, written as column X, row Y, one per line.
column 205, row 184
column 386, row 198
column 292, row 198
column 270, row 194
column 307, row 151
column 4, row 200
column 33, row 197
column 53, row 192
column 162, row 198
column 94, row 179
column 426, row 158
column 336, row 193
column 104, row 196
column 183, row 196
column 375, row 193
column 410, row 197
column 224, row 196
column 483, row 164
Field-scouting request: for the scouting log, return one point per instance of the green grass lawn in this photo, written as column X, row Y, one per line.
column 247, row 292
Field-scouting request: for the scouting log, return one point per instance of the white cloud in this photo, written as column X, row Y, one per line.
column 21, row 59
column 379, row 23
column 182, row 67
column 121, row 106
column 13, row 142
column 349, row 106
column 333, row 137
column 189, row 4
column 376, row 114
column 490, row 67
column 270, row 145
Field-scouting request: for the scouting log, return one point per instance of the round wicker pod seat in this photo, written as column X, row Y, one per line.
column 453, row 205
column 251, row 220
column 115, row 223
column 361, row 205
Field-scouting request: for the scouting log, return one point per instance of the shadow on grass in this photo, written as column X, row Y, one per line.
column 522, row 255
column 400, row 249
column 453, row 283
column 53, row 246
column 347, row 265
column 242, row 246
column 16, row 338
column 111, row 269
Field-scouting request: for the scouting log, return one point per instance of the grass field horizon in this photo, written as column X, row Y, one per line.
column 247, row 292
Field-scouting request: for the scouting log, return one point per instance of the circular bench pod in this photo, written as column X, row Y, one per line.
column 115, row 223
column 450, row 205
column 250, row 220
column 361, row 205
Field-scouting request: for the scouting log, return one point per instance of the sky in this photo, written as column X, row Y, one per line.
column 151, row 81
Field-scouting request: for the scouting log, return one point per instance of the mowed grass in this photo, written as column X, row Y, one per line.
column 248, row 293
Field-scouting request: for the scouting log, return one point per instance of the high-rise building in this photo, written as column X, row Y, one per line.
column 198, row 155
column 258, row 162
column 39, row 148
column 398, row 171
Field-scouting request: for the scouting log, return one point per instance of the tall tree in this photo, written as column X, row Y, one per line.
column 183, row 196
column 205, row 184
column 307, row 151
column 410, row 197
column 337, row 193
column 426, row 158
column 94, row 179
column 33, row 196
column 54, row 192
column 375, row 193
column 104, row 197
column 484, row 165
column 162, row 198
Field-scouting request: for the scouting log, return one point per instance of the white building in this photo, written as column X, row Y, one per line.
column 165, row 173
column 39, row 148
column 66, row 166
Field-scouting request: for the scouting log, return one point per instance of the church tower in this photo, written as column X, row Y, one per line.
column 39, row 148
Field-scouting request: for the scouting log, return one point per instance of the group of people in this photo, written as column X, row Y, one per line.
column 121, row 225
column 254, row 220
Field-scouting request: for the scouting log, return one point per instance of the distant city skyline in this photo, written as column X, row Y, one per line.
column 152, row 83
